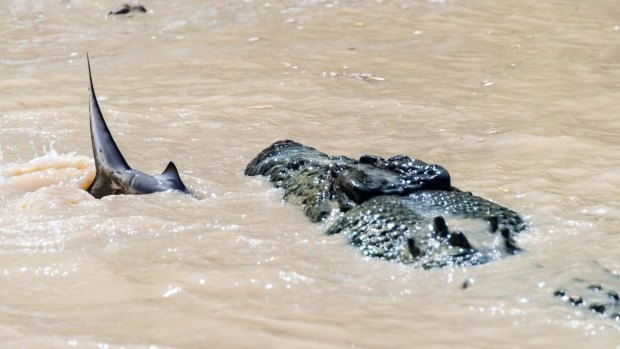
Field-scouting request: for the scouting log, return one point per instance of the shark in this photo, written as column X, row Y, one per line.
column 113, row 176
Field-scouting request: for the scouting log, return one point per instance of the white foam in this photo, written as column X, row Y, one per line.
column 45, row 171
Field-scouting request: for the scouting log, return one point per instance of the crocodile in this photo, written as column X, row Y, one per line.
column 406, row 210
column 399, row 209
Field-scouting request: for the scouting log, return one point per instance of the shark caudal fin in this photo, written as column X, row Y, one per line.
column 171, row 175
column 108, row 157
column 114, row 176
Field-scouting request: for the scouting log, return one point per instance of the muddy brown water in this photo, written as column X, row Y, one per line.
column 517, row 99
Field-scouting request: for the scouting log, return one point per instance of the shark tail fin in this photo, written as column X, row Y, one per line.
column 172, row 174
column 105, row 150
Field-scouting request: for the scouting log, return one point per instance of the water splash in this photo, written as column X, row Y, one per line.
column 50, row 169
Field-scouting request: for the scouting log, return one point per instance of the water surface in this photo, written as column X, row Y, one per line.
column 517, row 99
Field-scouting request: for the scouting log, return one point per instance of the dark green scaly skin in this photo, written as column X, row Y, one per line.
column 304, row 174
column 404, row 210
column 466, row 205
column 310, row 189
column 411, row 229
column 394, row 209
